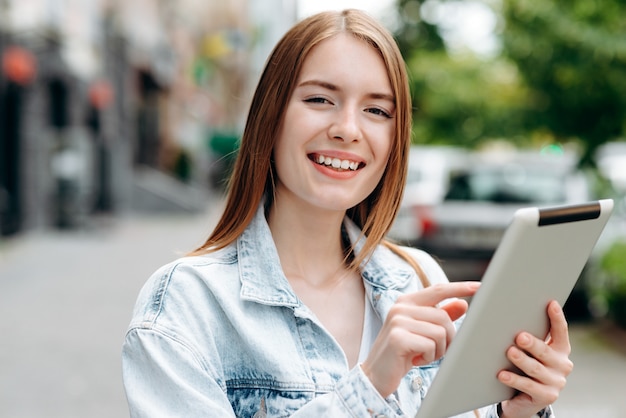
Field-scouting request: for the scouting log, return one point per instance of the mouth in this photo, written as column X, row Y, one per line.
column 336, row 163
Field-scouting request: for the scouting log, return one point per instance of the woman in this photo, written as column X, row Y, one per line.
column 296, row 305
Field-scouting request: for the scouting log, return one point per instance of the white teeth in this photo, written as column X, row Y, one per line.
column 337, row 163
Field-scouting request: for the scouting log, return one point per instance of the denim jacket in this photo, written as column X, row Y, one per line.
column 224, row 335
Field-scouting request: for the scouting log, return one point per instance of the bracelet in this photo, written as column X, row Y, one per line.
column 499, row 411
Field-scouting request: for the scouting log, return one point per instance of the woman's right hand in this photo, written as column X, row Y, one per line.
column 415, row 332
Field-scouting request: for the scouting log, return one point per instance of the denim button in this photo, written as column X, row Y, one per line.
column 416, row 383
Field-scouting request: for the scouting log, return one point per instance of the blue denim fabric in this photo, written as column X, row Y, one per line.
column 224, row 335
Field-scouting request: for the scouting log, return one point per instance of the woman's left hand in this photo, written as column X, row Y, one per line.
column 546, row 366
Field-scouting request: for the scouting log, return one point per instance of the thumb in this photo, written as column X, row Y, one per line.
column 456, row 308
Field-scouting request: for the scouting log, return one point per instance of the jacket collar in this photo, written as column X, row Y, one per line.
column 262, row 277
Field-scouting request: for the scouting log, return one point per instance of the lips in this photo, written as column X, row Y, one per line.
column 335, row 163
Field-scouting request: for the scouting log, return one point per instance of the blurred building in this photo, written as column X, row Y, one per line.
column 110, row 105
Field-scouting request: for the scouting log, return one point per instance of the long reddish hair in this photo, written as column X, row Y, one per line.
column 253, row 174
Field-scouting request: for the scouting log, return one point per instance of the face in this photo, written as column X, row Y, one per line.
column 338, row 127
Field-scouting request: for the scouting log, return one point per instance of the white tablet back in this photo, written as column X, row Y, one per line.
column 539, row 259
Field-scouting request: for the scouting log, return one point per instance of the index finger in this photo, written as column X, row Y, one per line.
column 437, row 293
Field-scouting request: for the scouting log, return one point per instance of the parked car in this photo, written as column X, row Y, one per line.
column 463, row 225
column 466, row 226
column 427, row 183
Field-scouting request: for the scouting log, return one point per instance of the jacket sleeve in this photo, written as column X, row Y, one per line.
column 163, row 377
column 354, row 397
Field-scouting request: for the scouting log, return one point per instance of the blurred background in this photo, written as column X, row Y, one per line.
column 119, row 122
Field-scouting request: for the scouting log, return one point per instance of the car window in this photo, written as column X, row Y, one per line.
column 414, row 176
column 508, row 184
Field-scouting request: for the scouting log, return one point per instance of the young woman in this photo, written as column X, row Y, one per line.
column 296, row 305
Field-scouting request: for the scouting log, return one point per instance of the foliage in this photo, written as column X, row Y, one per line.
column 459, row 100
column 413, row 33
column 560, row 77
column 183, row 166
column 572, row 56
column 613, row 266
column 464, row 101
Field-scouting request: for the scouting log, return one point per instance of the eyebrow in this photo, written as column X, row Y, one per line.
column 333, row 87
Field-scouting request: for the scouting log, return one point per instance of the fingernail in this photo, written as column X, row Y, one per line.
column 515, row 353
column 524, row 339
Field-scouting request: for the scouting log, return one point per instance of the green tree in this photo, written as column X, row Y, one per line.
column 460, row 100
column 465, row 101
column 413, row 33
column 561, row 76
column 571, row 55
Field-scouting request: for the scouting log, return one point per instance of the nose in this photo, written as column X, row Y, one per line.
column 346, row 125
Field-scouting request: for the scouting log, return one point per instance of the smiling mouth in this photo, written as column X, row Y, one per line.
column 335, row 163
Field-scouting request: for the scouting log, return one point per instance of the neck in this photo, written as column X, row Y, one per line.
column 308, row 241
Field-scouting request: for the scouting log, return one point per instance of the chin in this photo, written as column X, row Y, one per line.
column 339, row 204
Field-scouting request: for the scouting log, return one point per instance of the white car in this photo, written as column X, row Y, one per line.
column 427, row 183
column 467, row 225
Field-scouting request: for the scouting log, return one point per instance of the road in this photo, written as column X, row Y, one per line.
column 66, row 299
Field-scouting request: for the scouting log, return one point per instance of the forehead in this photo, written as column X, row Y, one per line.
column 344, row 57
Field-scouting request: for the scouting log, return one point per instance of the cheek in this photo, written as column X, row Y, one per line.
column 384, row 145
column 288, row 134
column 279, row 155
column 383, row 150
column 285, row 153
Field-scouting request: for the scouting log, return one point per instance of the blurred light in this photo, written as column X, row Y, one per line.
column 552, row 149
column 464, row 25
column 101, row 94
column 376, row 8
column 19, row 65
column 216, row 46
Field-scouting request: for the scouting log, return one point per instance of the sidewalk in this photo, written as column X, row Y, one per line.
column 596, row 387
column 66, row 299
column 65, row 302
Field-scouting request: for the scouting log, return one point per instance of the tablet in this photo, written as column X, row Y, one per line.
column 539, row 258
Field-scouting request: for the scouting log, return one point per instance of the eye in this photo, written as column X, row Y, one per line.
column 378, row 111
column 317, row 99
